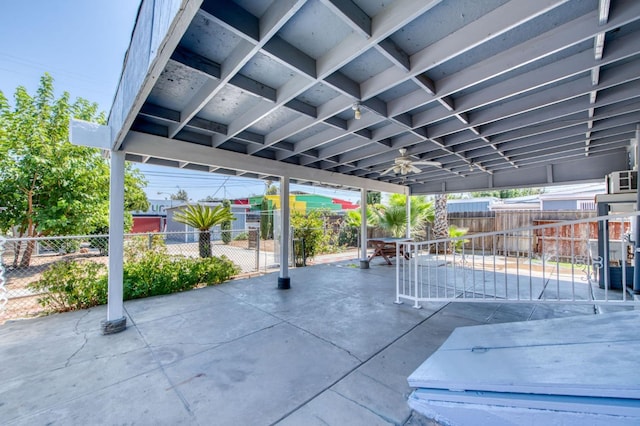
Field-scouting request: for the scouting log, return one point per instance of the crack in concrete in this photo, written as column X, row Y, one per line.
column 84, row 343
column 77, row 324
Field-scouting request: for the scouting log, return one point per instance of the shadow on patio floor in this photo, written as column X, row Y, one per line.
column 334, row 349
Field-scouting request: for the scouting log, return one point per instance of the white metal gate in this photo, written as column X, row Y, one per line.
column 551, row 263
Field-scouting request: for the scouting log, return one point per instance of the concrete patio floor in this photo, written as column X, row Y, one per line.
column 334, row 349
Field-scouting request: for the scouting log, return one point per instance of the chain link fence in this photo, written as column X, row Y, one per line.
column 24, row 260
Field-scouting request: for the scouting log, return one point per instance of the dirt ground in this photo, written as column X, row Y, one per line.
column 23, row 303
column 265, row 245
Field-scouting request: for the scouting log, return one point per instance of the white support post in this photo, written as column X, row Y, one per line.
column 116, row 320
column 408, row 208
column 636, row 237
column 284, row 282
column 364, row 262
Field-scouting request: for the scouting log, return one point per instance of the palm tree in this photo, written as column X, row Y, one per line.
column 353, row 223
column 441, row 222
column 420, row 213
column 394, row 220
column 204, row 218
column 353, row 218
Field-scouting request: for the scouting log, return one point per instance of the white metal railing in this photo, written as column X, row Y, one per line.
column 555, row 262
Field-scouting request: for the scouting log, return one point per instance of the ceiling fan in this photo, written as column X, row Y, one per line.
column 405, row 164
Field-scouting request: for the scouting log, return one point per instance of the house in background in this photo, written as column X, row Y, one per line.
column 480, row 204
column 154, row 219
column 583, row 198
column 299, row 201
column 179, row 232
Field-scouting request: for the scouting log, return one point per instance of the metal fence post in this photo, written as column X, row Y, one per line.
column 258, row 252
column 3, row 290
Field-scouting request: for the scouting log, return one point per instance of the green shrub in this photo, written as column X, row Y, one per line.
column 72, row 285
column 215, row 270
column 243, row 236
column 148, row 271
column 310, row 229
column 455, row 232
column 225, row 226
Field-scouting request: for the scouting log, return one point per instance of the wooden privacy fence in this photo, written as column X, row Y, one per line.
column 555, row 241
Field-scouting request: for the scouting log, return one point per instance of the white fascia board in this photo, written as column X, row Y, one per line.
column 84, row 133
column 160, row 147
column 159, row 27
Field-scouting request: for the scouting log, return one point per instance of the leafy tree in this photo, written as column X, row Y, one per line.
column 203, row 218
column 508, row 193
column 225, row 226
column 350, row 232
column 374, row 197
column 308, row 229
column 272, row 190
column 208, row 199
column 48, row 186
column 180, row 195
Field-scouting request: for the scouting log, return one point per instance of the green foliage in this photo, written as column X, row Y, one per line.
column 48, row 186
column 266, row 218
column 204, row 218
column 374, row 197
column 508, row 193
column 353, row 218
column 242, row 236
column 271, row 190
column 394, row 220
column 310, row 228
column 216, row 270
column 180, row 195
column 225, row 226
column 151, row 271
column 352, row 222
column 455, row 232
column 421, row 212
column 72, row 285
column 148, row 271
column 102, row 242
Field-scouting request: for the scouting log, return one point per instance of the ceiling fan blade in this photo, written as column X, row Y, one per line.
column 427, row 163
column 414, row 169
column 387, row 171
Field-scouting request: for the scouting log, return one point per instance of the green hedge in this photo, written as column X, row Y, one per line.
column 71, row 285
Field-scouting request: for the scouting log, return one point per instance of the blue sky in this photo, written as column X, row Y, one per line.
column 82, row 44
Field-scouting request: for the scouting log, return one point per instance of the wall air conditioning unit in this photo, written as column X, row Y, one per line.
column 622, row 182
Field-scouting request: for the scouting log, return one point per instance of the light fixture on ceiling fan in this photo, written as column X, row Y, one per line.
column 356, row 110
column 405, row 164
